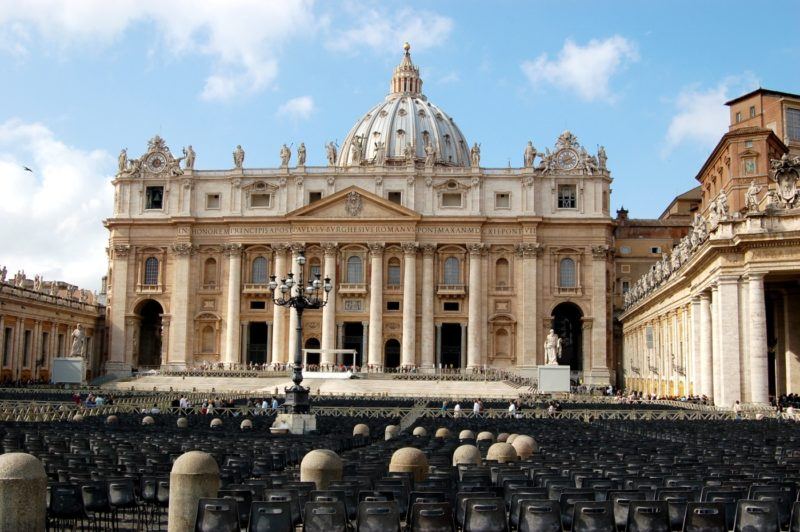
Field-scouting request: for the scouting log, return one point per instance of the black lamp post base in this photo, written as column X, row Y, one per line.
column 297, row 401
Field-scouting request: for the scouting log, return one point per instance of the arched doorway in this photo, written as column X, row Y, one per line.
column 391, row 354
column 567, row 325
column 312, row 358
column 150, row 312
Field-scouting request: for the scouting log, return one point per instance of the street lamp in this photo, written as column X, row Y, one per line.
column 292, row 293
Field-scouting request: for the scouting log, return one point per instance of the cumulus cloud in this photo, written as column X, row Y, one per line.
column 586, row 70
column 701, row 116
column 299, row 108
column 52, row 216
column 380, row 30
column 242, row 37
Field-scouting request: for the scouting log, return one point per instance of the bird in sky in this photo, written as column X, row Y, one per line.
column 27, row 169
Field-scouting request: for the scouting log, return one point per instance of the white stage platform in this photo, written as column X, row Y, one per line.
column 553, row 378
column 71, row 370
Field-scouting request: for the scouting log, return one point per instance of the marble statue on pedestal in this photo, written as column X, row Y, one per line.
column 331, row 149
column 189, row 156
column 78, row 342
column 285, row 155
column 529, row 155
column 122, row 160
column 3, row 274
column 601, row 158
column 552, row 348
column 301, row 154
column 751, row 196
column 238, row 157
column 475, row 154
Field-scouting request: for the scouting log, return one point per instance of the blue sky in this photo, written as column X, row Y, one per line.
column 83, row 78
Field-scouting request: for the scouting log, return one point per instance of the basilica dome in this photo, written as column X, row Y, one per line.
column 403, row 126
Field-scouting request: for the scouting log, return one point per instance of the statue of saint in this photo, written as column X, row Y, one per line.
column 331, row 148
column 78, row 342
column 751, row 196
column 601, row 158
column 722, row 206
column 285, row 155
column 3, row 274
column 552, row 348
column 380, row 153
column 530, row 155
column 358, row 149
column 430, row 156
column 189, row 155
column 475, row 154
column 238, row 157
column 408, row 152
column 301, row 154
column 122, row 160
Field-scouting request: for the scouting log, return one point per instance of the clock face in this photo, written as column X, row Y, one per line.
column 567, row 159
column 156, row 163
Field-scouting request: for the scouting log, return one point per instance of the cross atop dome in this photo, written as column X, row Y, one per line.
column 406, row 78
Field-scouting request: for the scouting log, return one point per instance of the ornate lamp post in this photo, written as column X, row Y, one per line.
column 292, row 293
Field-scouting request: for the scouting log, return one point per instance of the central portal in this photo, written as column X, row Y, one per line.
column 257, row 336
column 451, row 345
column 354, row 339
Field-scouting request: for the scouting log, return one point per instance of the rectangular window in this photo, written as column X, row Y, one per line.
column 314, row 270
column 314, row 196
column 212, row 201
column 154, row 198
column 393, row 275
column 626, row 285
column 396, row 197
column 738, row 117
column 261, row 200
column 7, row 337
column 258, row 305
column 26, row 349
column 567, row 197
column 748, row 144
column 752, row 111
column 655, row 250
column 451, row 199
column 451, row 306
column 392, row 305
column 502, row 200
column 793, row 124
column 749, row 166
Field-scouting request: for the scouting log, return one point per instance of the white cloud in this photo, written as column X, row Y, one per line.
column 299, row 108
column 53, row 215
column 701, row 115
column 242, row 37
column 586, row 70
column 379, row 30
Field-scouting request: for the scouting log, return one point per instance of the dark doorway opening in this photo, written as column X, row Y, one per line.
column 257, row 340
column 391, row 354
column 312, row 358
column 149, row 354
column 568, row 326
column 451, row 345
column 354, row 339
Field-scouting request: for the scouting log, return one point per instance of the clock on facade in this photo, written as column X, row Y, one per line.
column 567, row 159
column 156, row 163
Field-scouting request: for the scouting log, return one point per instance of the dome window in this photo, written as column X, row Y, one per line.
column 400, row 132
column 402, row 112
column 421, row 113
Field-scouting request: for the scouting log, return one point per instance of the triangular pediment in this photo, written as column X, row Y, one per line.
column 353, row 203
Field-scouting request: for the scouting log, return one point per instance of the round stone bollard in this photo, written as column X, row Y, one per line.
column 246, row 424
column 391, row 432
column 503, row 437
column 443, row 433
column 23, row 492
column 485, row 436
column 321, row 466
column 77, row 418
column 112, row 420
column 361, row 430
column 216, row 423
column 525, row 446
column 410, row 460
column 466, row 435
column 194, row 476
column 502, row 453
column 419, row 431
column 511, row 438
column 182, row 423
column 148, row 420
column 467, row 454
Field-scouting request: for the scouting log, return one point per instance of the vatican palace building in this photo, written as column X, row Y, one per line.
column 435, row 261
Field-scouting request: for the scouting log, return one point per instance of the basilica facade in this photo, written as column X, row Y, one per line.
column 435, row 261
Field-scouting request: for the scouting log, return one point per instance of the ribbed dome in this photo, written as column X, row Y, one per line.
column 405, row 118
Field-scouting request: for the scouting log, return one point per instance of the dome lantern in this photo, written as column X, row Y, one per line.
column 406, row 78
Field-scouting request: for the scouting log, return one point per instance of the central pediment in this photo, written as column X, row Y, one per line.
column 353, row 203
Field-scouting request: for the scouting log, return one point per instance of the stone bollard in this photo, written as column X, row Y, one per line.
column 216, row 423
column 148, row 420
column 466, row 435
column 410, row 460
column 502, row 437
column 194, row 476
column 467, row 454
column 182, row 423
column 419, row 431
column 391, row 432
column 246, row 424
column 23, row 492
column 77, row 418
column 112, row 420
column 525, row 446
column 502, row 453
column 511, row 438
column 361, row 430
column 321, row 466
column 443, row 433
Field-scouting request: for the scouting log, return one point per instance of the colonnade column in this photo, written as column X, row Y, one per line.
column 791, row 353
column 706, row 374
column 376, row 305
column 716, row 356
column 232, row 328
column 730, row 366
column 474, row 324
column 694, row 347
column 179, row 305
column 409, row 351
column 297, row 250
column 329, row 310
column 428, row 295
column 279, row 313
column 757, row 323
column 117, row 359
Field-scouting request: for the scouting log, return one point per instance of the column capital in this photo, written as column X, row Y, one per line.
column 121, row 251
column 727, row 279
column 298, row 247
column 232, row 250
column 280, row 248
column 475, row 248
column 601, row 252
column 365, row 323
column 529, row 250
column 376, row 248
column 755, row 276
column 428, row 249
column 183, row 248
column 586, row 323
column 330, row 248
column 409, row 248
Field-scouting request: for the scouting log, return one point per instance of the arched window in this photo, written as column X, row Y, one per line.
column 393, row 273
column 259, row 273
column 566, row 273
column 314, row 268
column 207, row 339
column 355, row 272
column 501, row 273
column 210, row 272
column 452, row 271
column 151, row 271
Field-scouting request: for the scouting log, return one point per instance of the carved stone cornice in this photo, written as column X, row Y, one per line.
column 232, row 250
column 409, row 248
column 330, row 248
column 529, row 249
column 475, row 248
column 376, row 248
column 428, row 250
column 121, row 251
column 183, row 248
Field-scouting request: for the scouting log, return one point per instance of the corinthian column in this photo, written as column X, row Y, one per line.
column 759, row 379
column 375, row 356
column 297, row 250
column 475, row 318
column 234, row 253
column 278, row 350
column 428, row 295
column 329, row 310
column 179, row 306
column 409, row 303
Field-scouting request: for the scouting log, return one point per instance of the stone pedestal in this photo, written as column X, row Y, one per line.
column 69, row 370
column 296, row 423
column 553, row 378
column 118, row 369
